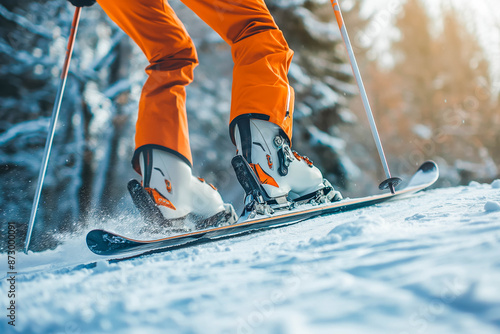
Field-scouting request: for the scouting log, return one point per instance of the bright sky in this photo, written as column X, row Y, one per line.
column 482, row 14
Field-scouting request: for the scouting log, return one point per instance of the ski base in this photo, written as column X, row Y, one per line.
column 107, row 243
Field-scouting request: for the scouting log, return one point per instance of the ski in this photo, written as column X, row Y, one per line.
column 107, row 243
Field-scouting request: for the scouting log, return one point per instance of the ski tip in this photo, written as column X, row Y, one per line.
column 427, row 174
column 95, row 240
column 95, row 233
column 428, row 166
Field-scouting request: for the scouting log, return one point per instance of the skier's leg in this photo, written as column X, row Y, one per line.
column 262, row 99
column 153, row 25
column 261, row 59
column 162, row 155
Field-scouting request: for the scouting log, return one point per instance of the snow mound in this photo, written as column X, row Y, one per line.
column 491, row 206
column 362, row 226
column 495, row 184
column 474, row 184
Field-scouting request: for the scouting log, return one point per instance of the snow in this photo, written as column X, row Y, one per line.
column 425, row 264
column 491, row 206
column 422, row 131
column 321, row 31
column 26, row 128
column 319, row 137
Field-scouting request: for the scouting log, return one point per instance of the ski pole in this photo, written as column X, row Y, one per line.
column 52, row 126
column 391, row 182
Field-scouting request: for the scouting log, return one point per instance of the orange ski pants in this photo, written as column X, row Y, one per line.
column 261, row 60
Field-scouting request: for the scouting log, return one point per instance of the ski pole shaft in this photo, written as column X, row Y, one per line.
column 361, row 86
column 52, row 126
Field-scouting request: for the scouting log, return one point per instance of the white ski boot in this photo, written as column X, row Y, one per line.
column 183, row 200
column 283, row 173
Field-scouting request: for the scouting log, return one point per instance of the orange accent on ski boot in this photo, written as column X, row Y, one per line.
column 263, row 176
column 269, row 161
column 211, row 185
column 160, row 199
column 296, row 155
column 169, row 185
column 306, row 159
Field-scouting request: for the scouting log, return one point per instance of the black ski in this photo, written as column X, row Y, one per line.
column 103, row 242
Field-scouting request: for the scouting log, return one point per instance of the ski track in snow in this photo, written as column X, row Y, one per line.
column 427, row 264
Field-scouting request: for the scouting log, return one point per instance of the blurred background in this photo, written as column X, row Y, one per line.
column 431, row 68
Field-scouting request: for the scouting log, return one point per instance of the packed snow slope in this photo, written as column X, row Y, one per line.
column 427, row 264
